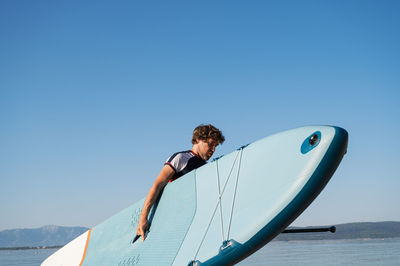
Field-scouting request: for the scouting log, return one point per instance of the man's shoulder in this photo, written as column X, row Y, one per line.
column 180, row 155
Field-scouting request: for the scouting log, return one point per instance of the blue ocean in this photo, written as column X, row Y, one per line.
column 310, row 252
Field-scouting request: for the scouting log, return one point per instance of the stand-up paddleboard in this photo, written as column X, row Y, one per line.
column 223, row 211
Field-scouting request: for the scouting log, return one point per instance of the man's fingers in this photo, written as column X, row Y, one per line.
column 142, row 229
column 144, row 235
column 141, row 232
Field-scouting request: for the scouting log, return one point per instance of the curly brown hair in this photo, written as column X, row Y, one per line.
column 205, row 132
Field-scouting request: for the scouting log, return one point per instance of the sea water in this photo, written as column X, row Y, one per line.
column 307, row 252
column 27, row 257
column 328, row 252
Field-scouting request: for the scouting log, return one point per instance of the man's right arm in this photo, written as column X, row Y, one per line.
column 161, row 181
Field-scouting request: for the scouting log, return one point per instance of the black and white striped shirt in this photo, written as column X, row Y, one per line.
column 183, row 162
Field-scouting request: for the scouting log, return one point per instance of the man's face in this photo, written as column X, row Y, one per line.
column 207, row 148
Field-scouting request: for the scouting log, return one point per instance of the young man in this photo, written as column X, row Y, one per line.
column 205, row 139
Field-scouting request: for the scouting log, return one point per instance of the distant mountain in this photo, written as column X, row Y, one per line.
column 349, row 231
column 50, row 235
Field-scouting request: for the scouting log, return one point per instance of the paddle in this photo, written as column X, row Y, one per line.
column 310, row 230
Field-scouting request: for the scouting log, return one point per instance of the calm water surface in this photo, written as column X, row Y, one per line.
column 24, row 257
column 328, row 252
column 319, row 252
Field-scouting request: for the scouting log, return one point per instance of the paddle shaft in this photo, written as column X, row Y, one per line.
column 310, row 230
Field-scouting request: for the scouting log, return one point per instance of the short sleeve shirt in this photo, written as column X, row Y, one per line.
column 183, row 162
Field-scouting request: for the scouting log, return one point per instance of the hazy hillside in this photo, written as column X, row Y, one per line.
column 58, row 235
column 50, row 235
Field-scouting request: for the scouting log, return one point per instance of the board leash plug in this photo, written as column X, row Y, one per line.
column 313, row 139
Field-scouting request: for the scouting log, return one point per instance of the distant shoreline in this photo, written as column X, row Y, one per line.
column 55, row 237
column 26, row 248
column 333, row 239
column 274, row 240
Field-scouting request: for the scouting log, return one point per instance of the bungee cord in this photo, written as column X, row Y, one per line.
column 219, row 201
column 220, row 193
column 234, row 194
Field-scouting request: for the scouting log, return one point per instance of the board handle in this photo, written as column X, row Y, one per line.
column 138, row 236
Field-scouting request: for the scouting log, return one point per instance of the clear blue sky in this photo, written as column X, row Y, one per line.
column 95, row 95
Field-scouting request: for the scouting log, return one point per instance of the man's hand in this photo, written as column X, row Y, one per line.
column 142, row 228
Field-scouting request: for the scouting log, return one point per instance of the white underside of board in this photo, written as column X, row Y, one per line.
column 69, row 255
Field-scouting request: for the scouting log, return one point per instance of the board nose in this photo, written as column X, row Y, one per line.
column 341, row 139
